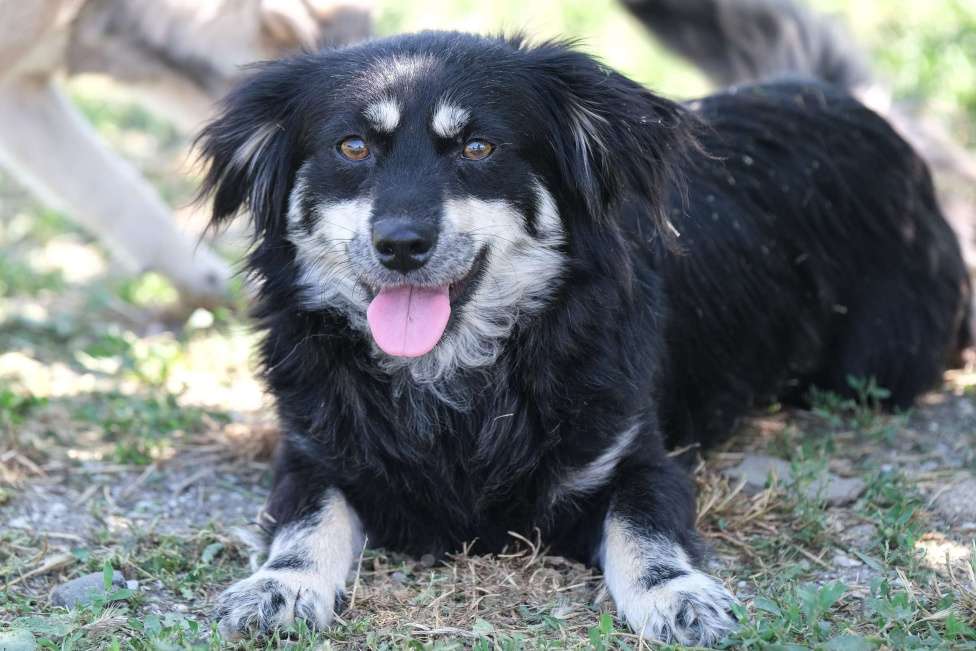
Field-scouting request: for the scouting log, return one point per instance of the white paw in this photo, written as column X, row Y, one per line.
column 692, row 609
column 275, row 599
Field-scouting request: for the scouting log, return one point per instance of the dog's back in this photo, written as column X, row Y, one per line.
column 747, row 41
column 814, row 250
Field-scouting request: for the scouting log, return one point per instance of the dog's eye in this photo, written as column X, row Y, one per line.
column 354, row 148
column 477, row 150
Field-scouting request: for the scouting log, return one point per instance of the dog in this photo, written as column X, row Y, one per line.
column 497, row 281
column 179, row 57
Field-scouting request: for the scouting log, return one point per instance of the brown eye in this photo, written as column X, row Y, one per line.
column 354, row 148
column 477, row 150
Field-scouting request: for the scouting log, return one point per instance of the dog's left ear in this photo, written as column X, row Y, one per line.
column 611, row 138
column 252, row 149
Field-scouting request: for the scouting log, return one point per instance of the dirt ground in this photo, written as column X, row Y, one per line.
column 79, row 492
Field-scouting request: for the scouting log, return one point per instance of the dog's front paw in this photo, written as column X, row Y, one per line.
column 268, row 600
column 691, row 609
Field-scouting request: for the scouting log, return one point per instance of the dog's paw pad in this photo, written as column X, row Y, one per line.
column 692, row 609
column 270, row 600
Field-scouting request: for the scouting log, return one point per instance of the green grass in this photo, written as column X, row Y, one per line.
column 143, row 428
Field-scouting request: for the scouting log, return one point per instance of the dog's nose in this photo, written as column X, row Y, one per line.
column 403, row 244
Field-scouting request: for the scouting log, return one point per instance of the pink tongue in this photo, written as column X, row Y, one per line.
column 409, row 321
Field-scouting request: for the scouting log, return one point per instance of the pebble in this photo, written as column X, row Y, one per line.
column 957, row 504
column 756, row 468
column 20, row 522
column 399, row 578
column 81, row 591
column 843, row 560
column 859, row 534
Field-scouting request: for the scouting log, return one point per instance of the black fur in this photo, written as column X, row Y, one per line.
column 811, row 249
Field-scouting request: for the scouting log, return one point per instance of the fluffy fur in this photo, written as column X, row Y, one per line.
column 583, row 339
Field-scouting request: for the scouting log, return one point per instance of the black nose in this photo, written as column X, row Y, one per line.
column 403, row 244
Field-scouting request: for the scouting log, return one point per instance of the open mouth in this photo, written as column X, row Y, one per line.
column 409, row 320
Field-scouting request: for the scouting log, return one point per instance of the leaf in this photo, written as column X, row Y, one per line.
column 17, row 640
column 870, row 561
column 151, row 625
column 51, row 626
column 768, row 605
column 122, row 594
column 210, row 552
column 107, row 574
column 829, row 594
column 482, row 627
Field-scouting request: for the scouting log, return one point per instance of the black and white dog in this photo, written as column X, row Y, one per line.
column 497, row 280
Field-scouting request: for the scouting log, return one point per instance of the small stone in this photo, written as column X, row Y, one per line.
column 843, row 560
column 755, row 469
column 399, row 578
column 81, row 591
column 957, row 502
column 428, row 560
column 17, row 640
column 859, row 535
column 838, row 491
column 20, row 522
column 132, row 584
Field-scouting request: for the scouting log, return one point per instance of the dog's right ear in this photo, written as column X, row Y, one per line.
column 252, row 149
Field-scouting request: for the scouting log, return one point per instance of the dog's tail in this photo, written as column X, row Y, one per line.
column 739, row 41
column 743, row 41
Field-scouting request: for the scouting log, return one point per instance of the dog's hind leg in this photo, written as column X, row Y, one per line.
column 317, row 538
column 902, row 350
column 649, row 551
column 47, row 144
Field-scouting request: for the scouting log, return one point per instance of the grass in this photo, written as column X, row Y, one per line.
column 135, row 441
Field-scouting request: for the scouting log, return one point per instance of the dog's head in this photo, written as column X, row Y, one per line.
column 435, row 188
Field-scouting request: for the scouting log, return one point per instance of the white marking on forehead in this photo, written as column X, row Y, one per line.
column 398, row 71
column 449, row 119
column 384, row 114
